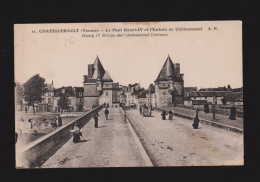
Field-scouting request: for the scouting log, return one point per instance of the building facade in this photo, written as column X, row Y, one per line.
column 169, row 85
column 98, row 86
column 205, row 97
column 47, row 99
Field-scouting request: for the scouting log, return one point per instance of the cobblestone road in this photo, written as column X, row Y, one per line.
column 176, row 143
column 113, row 144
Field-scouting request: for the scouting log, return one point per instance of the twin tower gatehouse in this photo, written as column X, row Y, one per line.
column 99, row 87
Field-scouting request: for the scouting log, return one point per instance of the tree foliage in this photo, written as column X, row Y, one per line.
column 34, row 88
column 63, row 102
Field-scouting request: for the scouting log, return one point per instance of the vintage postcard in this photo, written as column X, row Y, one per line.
column 129, row 94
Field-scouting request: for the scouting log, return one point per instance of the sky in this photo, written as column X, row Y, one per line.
column 208, row 58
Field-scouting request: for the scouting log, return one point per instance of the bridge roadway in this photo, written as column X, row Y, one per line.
column 112, row 144
column 167, row 143
column 176, row 143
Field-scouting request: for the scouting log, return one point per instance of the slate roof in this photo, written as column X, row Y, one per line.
column 106, row 77
column 68, row 90
column 99, row 70
column 207, row 93
column 167, row 70
column 189, row 89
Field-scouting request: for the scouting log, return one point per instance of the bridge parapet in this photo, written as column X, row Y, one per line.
column 37, row 152
column 212, row 123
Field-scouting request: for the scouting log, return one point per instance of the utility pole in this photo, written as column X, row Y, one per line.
column 213, row 106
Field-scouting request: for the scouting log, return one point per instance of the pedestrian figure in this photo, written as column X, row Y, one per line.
column 76, row 133
column 125, row 114
column 163, row 114
column 196, row 121
column 140, row 110
column 197, row 111
column 206, row 108
column 106, row 113
column 25, row 109
column 59, row 119
column 170, row 115
column 96, row 120
column 150, row 111
column 233, row 112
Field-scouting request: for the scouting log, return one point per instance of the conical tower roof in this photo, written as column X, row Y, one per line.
column 107, row 77
column 167, row 71
column 99, row 70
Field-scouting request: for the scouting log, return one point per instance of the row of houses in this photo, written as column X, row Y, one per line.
column 134, row 96
column 52, row 95
column 167, row 90
column 216, row 96
column 99, row 88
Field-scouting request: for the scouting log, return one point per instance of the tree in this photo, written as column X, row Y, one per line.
column 19, row 95
column 34, row 88
column 63, row 102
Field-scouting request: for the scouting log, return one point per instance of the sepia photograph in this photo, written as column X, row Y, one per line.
column 129, row 94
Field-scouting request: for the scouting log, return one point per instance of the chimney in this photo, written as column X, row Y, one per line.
column 90, row 70
column 177, row 70
column 182, row 77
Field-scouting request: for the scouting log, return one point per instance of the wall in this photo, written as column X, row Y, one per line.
column 90, row 89
column 217, row 110
column 106, row 97
column 178, row 99
column 37, row 152
column 89, row 102
column 164, row 98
